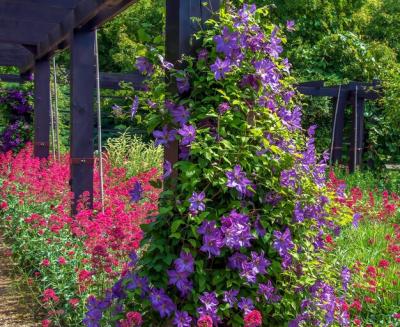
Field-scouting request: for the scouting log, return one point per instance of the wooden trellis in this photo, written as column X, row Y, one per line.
column 353, row 94
column 31, row 31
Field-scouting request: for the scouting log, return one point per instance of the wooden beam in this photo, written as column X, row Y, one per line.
column 80, row 18
column 357, row 133
column 109, row 12
column 338, row 126
column 14, row 55
column 11, row 78
column 42, row 108
column 82, row 115
column 31, row 12
column 179, row 31
column 113, row 80
column 20, row 32
column 50, row 3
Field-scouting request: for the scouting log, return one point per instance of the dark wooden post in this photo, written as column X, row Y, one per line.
column 83, row 81
column 42, row 108
column 179, row 31
column 338, row 125
column 357, row 131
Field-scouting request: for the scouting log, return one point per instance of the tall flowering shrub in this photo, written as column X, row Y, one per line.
column 240, row 236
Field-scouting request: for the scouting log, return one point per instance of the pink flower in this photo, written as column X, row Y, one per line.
column 383, row 264
column 84, row 275
column 134, row 319
column 62, row 261
column 46, row 323
column 46, row 262
column 73, row 302
column 253, row 319
column 205, row 321
column 50, row 295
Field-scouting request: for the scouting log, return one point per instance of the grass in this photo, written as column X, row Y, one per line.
column 130, row 152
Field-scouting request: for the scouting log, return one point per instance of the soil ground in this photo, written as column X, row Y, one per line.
column 15, row 305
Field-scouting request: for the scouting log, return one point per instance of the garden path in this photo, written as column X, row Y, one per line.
column 14, row 304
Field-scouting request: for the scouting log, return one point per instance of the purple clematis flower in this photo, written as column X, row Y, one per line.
column 182, row 319
column 237, row 179
column 283, row 242
column 182, row 84
column 203, row 55
column 185, row 263
column 246, row 305
column 135, row 106
column 223, row 107
column 167, row 169
column 227, row 42
column 346, row 277
column 209, row 300
column 179, row 114
column 162, row 303
column 136, row 192
column 230, row 297
column 144, row 66
column 181, row 281
column 212, row 238
column 235, row 261
column 259, row 262
column 290, row 25
column 220, row 68
column 164, row 136
column 236, row 229
column 188, row 133
column 248, row 272
column 197, row 203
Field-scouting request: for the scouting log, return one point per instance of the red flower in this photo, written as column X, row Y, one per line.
column 329, row 239
column 396, row 316
column 46, row 323
column 4, row 205
column 46, row 262
column 134, row 319
column 357, row 322
column 205, row 321
column 253, row 319
column 49, row 294
column 62, row 261
column 84, row 275
column 73, row 302
column 371, row 271
column 356, row 305
column 383, row 264
column 369, row 299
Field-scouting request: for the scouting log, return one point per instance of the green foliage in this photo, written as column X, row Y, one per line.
column 130, row 35
column 131, row 153
column 340, row 41
column 223, row 141
column 371, row 180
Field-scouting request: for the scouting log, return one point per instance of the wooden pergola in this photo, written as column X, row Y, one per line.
column 353, row 94
column 31, row 31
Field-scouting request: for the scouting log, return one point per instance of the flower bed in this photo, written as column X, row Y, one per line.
column 373, row 256
column 69, row 258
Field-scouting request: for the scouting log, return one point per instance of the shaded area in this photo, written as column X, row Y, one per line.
column 15, row 305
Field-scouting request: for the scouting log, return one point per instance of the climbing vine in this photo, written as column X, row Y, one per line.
column 240, row 238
